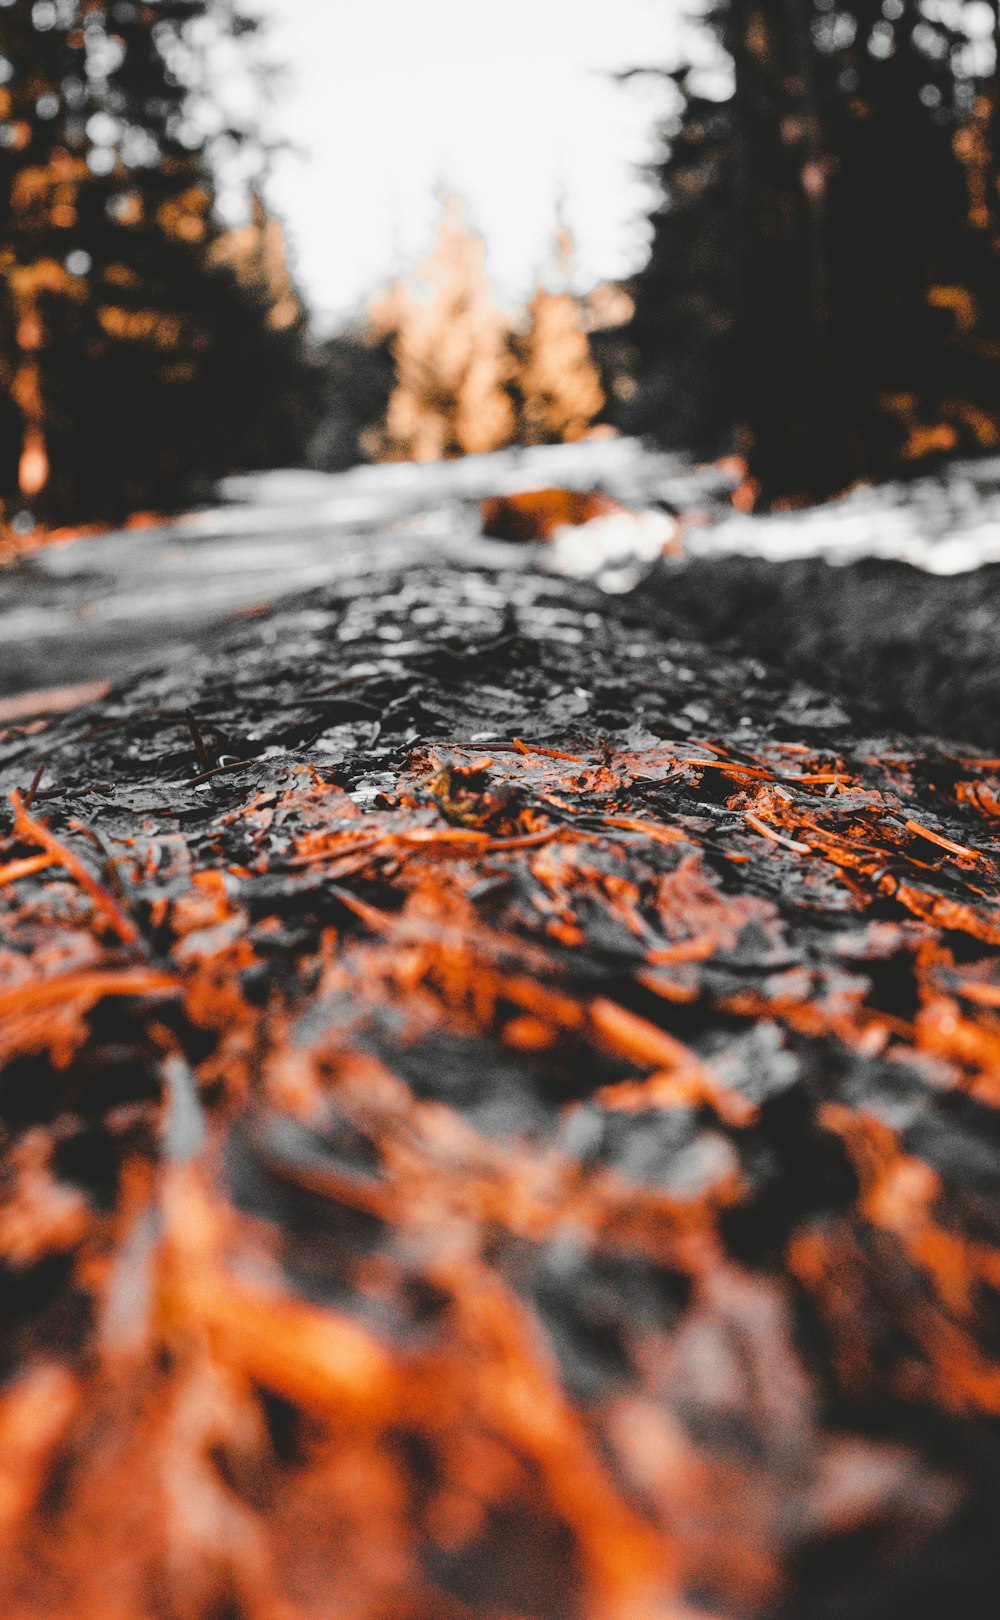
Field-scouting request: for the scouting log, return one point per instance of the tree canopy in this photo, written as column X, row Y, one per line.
column 822, row 285
column 143, row 346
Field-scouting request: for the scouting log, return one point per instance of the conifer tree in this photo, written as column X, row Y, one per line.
column 814, row 292
column 681, row 336
column 557, row 384
column 135, row 357
column 449, row 341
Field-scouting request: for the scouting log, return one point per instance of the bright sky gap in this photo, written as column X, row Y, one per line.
column 511, row 107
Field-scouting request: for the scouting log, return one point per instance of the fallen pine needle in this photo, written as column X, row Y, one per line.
column 523, row 840
column 380, row 922
column 36, row 832
column 312, row 1357
column 817, row 777
column 659, row 835
column 726, row 765
column 217, row 770
column 89, row 987
column 466, row 837
column 29, row 797
column 984, row 995
column 700, row 949
column 943, row 843
column 776, row 837
column 550, row 753
column 16, row 870
column 679, row 1072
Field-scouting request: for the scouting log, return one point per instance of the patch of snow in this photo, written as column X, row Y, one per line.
column 499, row 472
column 615, row 550
column 945, row 525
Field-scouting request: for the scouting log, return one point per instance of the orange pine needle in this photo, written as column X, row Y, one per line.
column 35, row 832
column 943, row 843
column 726, row 765
column 88, row 987
column 15, row 870
column 549, row 753
column 689, row 1080
column 659, row 835
column 776, row 837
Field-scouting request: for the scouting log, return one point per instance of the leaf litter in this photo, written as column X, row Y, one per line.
column 498, row 1117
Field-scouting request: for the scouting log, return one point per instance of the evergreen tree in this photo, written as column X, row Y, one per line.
column 136, row 357
column 466, row 379
column 813, row 286
column 449, row 341
column 681, row 336
column 557, row 384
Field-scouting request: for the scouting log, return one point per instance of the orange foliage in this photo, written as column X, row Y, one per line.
column 33, row 469
column 468, row 380
column 558, row 386
column 258, row 254
column 450, row 348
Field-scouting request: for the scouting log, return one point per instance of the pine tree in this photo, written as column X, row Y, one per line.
column 558, row 386
column 681, row 337
column 136, row 360
column 357, row 379
column 813, row 289
column 449, row 343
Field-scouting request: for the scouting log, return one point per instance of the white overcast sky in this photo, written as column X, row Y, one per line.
column 506, row 103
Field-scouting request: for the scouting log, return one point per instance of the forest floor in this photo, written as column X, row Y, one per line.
column 101, row 607
column 891, row 594
column 499, row 1117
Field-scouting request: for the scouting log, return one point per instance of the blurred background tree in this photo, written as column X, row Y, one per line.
column 466, row 377
column 449, row 343
column 357, row 378
column 144, row 347
column 557, row 385
column 681, row 338
column 823, row 283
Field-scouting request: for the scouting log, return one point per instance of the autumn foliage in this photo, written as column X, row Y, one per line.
column 467, row 378
column 449, row 344
column 537, row 514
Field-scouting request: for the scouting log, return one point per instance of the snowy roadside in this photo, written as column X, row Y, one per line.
column 889, row 596
column 948, row 524
column 945, row 525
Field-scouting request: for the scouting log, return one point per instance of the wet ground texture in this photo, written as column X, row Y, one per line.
column 500, row 1117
